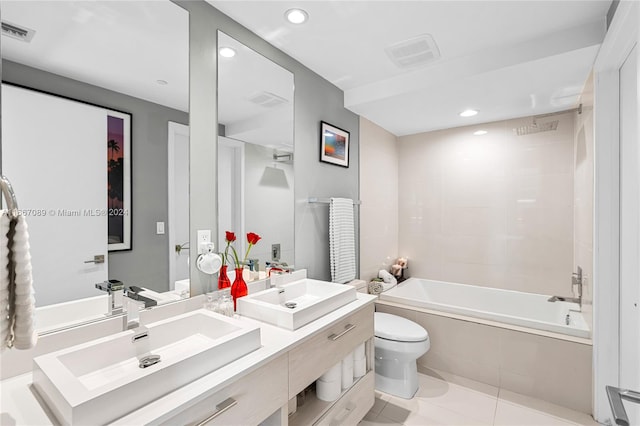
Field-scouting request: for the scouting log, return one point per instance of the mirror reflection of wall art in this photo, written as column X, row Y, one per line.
column 334, row 145
column 119, row 180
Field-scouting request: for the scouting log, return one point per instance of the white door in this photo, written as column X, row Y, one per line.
column 54, row 152
column 630, row 232
column 178, row 216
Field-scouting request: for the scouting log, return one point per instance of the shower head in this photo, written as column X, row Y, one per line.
column 536, row 128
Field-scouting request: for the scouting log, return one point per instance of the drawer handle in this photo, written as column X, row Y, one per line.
column 220, row 408
column 347, row 328
column 347, row 411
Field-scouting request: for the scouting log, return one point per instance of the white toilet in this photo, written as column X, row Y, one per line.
column 398, row 344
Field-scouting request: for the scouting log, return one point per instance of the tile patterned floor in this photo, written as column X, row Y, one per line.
column 441, row 402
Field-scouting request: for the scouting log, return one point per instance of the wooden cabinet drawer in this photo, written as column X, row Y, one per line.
column 247, row 401
column 328, row 347
column 353, row 405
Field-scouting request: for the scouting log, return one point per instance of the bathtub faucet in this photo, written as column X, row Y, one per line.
column 576, row 280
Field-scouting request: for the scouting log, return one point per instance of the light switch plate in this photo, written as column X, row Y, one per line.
column 159, row 228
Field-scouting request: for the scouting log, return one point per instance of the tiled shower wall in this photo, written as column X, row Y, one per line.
column 379, row 196
column 494, row 210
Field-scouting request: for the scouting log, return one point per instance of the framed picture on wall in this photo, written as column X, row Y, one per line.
column 334, row 145
column 118, row 180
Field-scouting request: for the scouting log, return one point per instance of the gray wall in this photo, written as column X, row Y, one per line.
column 315, row 99
column 147, row 263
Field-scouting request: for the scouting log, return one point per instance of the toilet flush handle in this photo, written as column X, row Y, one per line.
column 347, row 328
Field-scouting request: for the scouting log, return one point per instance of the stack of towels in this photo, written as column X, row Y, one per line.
column 341, row 376
column 17, row 300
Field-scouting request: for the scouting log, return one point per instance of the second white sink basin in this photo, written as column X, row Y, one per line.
column 296, row 304
column 99, row 381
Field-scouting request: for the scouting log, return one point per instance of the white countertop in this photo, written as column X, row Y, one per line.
column 19, row 405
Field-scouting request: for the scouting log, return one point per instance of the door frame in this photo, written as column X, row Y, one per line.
column 174, row 129
column 621, row 37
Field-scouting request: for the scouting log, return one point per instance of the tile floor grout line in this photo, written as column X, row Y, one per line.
column 495, row 411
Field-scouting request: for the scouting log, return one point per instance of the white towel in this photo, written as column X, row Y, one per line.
column 25, row 336
column 389, row 281
column 4, row 278
column 342, row 244
column 375, row 287
column 17, row 300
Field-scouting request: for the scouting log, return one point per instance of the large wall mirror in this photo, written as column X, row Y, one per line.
column 95, row 125
column 255, row 152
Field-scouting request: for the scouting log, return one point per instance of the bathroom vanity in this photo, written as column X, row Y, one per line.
column 253, row 389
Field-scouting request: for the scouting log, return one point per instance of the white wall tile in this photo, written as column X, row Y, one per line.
column 379, row 196
column 495, row 210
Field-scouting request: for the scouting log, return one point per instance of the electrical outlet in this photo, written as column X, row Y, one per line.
column 275, row 252
column 204, row 240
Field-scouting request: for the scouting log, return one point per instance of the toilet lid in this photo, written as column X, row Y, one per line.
column 393, row 327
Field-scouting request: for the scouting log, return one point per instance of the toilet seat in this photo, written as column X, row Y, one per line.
column 393, row 327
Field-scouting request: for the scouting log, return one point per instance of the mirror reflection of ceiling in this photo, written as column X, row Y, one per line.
column 504, row 58
column 156, row 70
column 257, row 95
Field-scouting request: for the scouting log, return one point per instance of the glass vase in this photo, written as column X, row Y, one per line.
column 223, row 278
column 239, row 287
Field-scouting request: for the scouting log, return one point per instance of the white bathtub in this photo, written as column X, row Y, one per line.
column 504, row 306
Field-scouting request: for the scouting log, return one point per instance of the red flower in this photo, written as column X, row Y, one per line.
column 231, row 237
column 253, row 238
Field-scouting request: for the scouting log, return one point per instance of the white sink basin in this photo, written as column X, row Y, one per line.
column 99, row 381
column 293, row 305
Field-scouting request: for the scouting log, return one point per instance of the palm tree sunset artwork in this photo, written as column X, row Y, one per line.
column 115, row 168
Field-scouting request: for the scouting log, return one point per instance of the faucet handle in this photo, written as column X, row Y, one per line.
column 578, row 273
column 110, row 285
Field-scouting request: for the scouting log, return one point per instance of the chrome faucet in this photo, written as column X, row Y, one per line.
column 115, row 290
column 576, row 280
column 252, row 264
column 132, row 319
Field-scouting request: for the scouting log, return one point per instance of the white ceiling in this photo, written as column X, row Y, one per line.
column 505, row 58
column 125, row 46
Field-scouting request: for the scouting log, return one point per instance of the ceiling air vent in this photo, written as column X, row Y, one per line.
column 267, row 99
column 17, row 32
column 414, row 52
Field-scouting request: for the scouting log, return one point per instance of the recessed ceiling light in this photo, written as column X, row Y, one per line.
column 480, row 132
column 296, row 16
column 468, row 113
column 227, row 52
column 162, row 82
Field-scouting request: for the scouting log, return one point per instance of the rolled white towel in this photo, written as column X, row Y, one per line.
column 389, row 280
column 375, row 287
